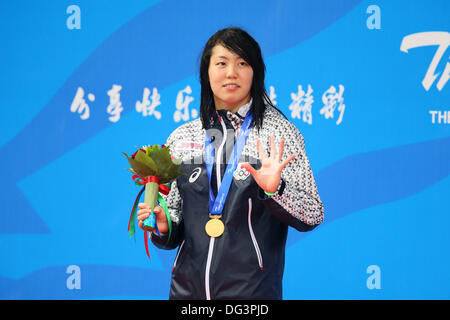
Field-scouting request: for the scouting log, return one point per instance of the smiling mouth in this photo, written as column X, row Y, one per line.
column 231, row 86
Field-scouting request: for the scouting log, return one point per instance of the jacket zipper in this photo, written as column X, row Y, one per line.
column 178, row 254
column 212, row 239
column 250, row 228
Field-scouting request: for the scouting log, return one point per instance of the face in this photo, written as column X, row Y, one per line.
column 230, row 78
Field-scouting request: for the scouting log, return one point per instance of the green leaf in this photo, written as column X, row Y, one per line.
column 145, row 160
column 139, row 168
column 155, row 162
column 167, row 165
column 132, row 171
column 162, row 158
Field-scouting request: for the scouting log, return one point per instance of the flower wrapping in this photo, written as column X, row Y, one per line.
column 154, row 168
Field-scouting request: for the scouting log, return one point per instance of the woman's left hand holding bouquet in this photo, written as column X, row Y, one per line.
column 154, row 168
column 161, row 218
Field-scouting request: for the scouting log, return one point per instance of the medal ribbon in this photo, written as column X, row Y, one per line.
column 216, row 204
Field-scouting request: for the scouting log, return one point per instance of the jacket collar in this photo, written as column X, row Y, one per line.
column 236, row 119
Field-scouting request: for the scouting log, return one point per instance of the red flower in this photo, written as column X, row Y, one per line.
column 134, row 154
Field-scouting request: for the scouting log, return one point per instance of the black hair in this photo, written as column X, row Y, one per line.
column 241, row 43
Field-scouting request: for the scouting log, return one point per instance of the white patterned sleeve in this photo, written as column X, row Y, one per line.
column 174, row 203
column 297, row 201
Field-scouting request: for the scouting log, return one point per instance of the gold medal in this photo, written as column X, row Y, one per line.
column 214, row 227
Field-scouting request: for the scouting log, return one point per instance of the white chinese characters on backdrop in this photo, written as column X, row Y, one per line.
column 147, row 107
column 332, row 99
column 115, row 105
column 272, row 95
column 79, row 104
column 300, row 106
column 182, row 104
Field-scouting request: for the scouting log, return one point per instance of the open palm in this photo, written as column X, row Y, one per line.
column 269, row 175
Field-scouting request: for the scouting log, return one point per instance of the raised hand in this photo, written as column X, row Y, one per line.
column 269, row 175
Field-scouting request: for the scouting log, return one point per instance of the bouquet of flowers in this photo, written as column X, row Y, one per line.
column 154, row 168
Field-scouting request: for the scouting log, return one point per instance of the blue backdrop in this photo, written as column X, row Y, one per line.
column 366, row 82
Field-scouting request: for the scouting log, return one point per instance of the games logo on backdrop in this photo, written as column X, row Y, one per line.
column 441, row 39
